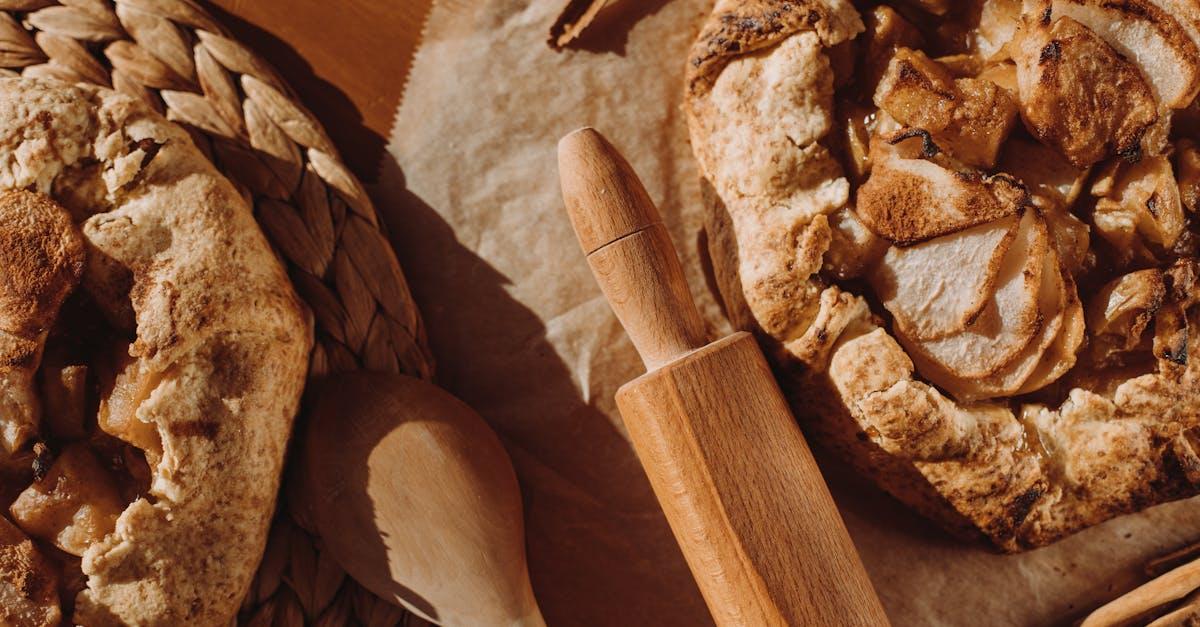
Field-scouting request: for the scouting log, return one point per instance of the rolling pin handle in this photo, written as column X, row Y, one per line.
column 629, row 249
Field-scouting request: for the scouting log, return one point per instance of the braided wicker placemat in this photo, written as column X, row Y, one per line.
column 176, row 57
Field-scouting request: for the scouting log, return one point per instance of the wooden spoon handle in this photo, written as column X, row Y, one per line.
column 629, row 249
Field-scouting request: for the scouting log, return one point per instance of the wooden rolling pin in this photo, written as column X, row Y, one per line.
column 725, row 457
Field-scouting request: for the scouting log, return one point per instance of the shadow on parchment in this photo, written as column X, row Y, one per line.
column 599, row 548
column 600, row 551
column 610, row 30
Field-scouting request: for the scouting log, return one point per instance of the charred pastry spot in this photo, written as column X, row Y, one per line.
column 749, row 24
column 1046, row 16
column 1020, row 507
column 929, row 149
column 813, row 17
column 1133, row 152
column 968, row 177
column 971, row 319
column 1156, row 305
column 42, row 460
column 148, row 146
column 910, row 75
column 1180, row 280
column 1179, row 354
column 1020, row 186
column 1152, row 205
column 1052, row 52
column 1128, row 7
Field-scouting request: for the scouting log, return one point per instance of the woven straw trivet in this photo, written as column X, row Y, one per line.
column 175, row 56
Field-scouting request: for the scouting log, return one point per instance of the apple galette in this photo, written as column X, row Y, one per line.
column 968, row 230
column 152, row 355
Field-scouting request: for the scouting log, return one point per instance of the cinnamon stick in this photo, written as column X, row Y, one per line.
column 1172, row 586
column 1160, row 565
column 1189, row 609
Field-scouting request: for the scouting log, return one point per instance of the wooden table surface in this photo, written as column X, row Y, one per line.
column 347, row 59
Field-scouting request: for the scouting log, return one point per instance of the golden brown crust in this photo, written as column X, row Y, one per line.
column 42, row 256
column 172, row 245
column 1022, row 475
column 740, row 27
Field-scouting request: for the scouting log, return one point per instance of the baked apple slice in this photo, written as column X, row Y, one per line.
column 1120, row 313
column 907, row 201
column 917, row 91
column 1187, row 173
column 1052, row 301
column 998, row 23
column 1143, row 202
column 1172, row 334
column 1003, row 74
column 935, row 288
column 970, row 118
column 1005, row 326
column 1062, row 354
column 64, row 392
column 853, row 247
column 74, row 506
column 886, row 32
column 1071, row 238
column 1043, row 171
column 125, row 385
column 1161, row 46
column 1078, row 95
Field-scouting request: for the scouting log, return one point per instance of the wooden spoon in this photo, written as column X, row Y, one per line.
column 416, row 498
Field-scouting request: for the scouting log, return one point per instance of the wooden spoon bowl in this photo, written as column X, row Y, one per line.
column 416, row 498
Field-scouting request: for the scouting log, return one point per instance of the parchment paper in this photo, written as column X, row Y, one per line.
column 521, row 332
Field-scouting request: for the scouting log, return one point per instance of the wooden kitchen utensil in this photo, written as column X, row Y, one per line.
column 1172, row 586
column 725, row 457
column 417, row 499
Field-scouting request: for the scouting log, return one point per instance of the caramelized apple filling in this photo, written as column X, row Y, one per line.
column 75, row 452
column 74, row 505
column 1032, row 201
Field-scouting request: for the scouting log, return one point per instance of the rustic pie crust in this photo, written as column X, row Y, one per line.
column 152, row 356
column 968, row 232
